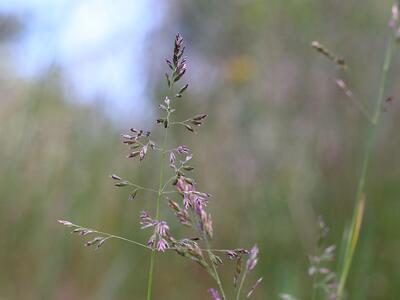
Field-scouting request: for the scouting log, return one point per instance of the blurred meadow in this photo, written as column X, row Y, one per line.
column 281, row 146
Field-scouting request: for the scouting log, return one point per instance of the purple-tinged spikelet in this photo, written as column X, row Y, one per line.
column 214, row 294
column 253, row 288
column 253, row 258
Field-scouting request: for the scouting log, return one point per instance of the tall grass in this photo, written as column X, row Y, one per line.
column 360, row 198
column 191, row 212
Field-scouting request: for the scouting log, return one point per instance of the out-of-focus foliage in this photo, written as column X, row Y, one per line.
column 281, row 146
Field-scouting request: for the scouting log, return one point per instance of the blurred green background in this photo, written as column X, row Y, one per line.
column 281, row 146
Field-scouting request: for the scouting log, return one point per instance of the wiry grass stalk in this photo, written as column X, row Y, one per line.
column 355, row 227
column 241, row 285
column 250, row 264
column 214, row 268
column 159, row 194
column 124, row 239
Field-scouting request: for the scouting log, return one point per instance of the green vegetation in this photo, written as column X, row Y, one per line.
column 283, row 141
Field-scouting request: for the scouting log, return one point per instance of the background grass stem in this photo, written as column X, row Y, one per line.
column 358, row 212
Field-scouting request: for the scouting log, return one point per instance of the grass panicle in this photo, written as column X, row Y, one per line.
column 188, row 205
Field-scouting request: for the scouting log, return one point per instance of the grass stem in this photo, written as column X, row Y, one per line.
column 241, row 285
column 355, row 227
column 159, row 194
column 216, row 275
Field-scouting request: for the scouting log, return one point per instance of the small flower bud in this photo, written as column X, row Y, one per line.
column 199, row 117
column 175, row 206
column 65, row 223
column 100, row 243
column 395, row 16
column 190, row 128
column 169, row 63
column 214, row 294
column 132, row 195
column 183, row 89
column 94, row 241
column 172, row 157
column 152, row 145
column 133, row 154
column 168, row 80
column 253, row 288
column 143, row 152
column 182, row 149
column 127, row 136
column 115, row 177
column 216, row 260
column 253, row 258
column 196, row 123
column 122, row 183
column 189, row 180
column 162, row 244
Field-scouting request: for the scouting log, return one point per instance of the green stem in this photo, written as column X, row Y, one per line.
column 111, row 236
column 166, row 183
column 241, row 285
column 371, row 133
column 139, row 187
column 159, row 194
column 214, row 268
column 314, row 290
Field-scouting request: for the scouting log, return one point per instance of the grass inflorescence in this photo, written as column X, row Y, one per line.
column 177, row 190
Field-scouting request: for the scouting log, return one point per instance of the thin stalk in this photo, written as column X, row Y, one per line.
column 241, row 285
column 314, row 287
column 166, row 183
column 359, row 202
column 108, row 235
column 361, row 107
column 314, row 291
column 216, row 275
column 159, row 194
column 111, row 236
column 139, row 187
column 171, row 192
column 118, row 237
